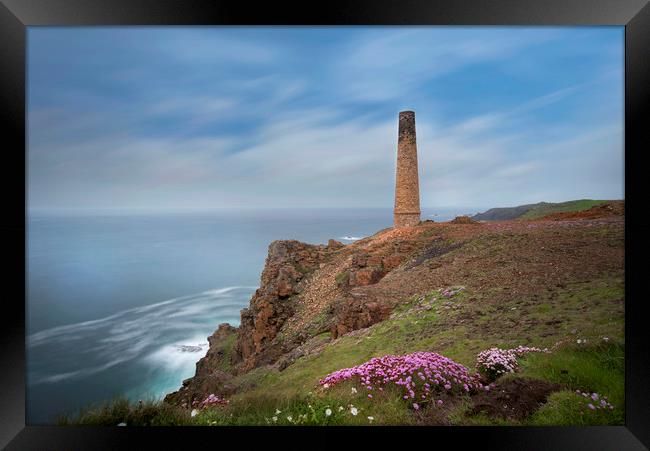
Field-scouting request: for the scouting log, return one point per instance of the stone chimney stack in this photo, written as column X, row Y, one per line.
column 407, row 191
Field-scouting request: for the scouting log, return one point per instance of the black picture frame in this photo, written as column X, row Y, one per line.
column 16, row 15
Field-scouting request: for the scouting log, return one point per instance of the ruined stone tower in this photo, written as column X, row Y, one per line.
column 407, row 191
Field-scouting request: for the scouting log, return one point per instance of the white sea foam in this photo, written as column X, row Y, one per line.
column 351, row 238
column 173, row 359
column 148, row 333
column 228, row 289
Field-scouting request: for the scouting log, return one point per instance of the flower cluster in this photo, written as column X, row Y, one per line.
column 597, row 401
column 422, row 375
column 494, row 362
column 213, row 400
column 314, row 416
column 451, row 291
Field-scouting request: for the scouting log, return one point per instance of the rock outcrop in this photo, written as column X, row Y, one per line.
column 287, row 265
column 305, row 291
column 212, row 371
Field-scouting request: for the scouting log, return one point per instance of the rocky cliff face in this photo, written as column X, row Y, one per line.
column 305, row 290
column 288, row 265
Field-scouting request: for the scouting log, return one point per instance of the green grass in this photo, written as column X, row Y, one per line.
column 563, row 207
column 121, row 410
column 342, row 278
column 227, row 347
column 304, row 409
column 595, row 367
column 431, row 323
column 566, row 408
column 407, row 331
column 309, row 408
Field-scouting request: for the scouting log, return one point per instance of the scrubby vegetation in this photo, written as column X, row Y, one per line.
column 589, row 378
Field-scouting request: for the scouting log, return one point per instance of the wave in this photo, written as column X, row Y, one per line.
column 159, row 334
column 229, row 289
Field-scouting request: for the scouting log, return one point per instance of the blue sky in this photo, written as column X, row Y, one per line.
column 210, row 117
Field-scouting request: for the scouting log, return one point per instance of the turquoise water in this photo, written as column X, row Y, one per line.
column 122, row 304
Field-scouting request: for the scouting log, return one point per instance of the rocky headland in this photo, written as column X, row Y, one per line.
column 515, row 277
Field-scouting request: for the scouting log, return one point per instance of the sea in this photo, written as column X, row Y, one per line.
column 121, row 304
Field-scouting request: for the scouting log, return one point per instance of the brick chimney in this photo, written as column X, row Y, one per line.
column 407, row 191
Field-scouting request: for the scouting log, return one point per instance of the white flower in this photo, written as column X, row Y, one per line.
column 340, row 408
column 194, row 412
column 275, row 419
column 328, row 412
column 354, row 390
column 605, row 338
column 354, row 411
column 371, row 419
column 290, row 418
column 277, row 412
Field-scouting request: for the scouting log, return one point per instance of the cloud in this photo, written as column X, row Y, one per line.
column 245, row 118
column 384, row 65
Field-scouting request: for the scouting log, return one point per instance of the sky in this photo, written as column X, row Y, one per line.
column 168, row 118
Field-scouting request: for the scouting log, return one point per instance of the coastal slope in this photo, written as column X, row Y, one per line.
column 319, row 308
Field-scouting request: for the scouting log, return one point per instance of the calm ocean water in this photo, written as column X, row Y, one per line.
column 121, row 305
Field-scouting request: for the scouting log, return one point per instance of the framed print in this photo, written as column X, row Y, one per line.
column 370, row 219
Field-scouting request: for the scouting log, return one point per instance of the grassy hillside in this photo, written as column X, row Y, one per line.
column 544, row 209
column 594, row 366
column 504, row 213
column 534, row 211
column 544, row 284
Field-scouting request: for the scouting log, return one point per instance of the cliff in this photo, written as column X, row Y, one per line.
column 313, row 297
column 305, row 290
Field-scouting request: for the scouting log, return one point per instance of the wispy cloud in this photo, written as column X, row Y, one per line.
column 276, row 117
column 393, row 65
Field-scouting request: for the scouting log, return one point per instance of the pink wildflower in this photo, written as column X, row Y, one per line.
column 420, row 374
